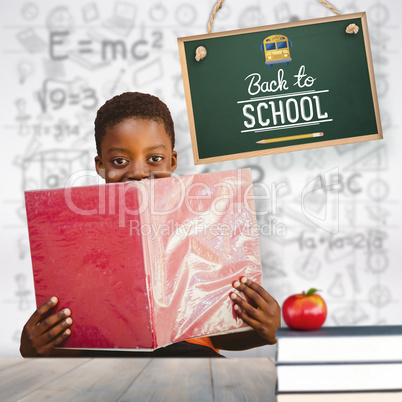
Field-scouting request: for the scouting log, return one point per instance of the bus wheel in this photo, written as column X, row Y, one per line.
column 287, row 63
column 270, row 65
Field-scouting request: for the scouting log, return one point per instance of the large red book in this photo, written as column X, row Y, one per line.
column 145, row 264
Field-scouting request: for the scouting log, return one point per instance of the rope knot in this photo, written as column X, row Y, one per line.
column 352, row 29
column 200, row 53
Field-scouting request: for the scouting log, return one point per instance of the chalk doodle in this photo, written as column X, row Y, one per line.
column 25, row 69
column 31, row 41
column 350, row 314
column 251, row 17
column 158, row 12
column 52, row 169
column 380, row 296
column 308, row 266
column 22, row 293
column 186, row 14
column 337, row 287
column 56, row 94
column 29, row 11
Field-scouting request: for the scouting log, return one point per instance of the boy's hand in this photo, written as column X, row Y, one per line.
column 264, row 315
column 40, row 335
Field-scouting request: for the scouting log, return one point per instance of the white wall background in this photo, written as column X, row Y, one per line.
column 48, row 107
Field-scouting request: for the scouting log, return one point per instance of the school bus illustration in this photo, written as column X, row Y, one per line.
column 276, row 48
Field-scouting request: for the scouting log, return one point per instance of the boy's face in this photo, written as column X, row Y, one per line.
column 134, row 150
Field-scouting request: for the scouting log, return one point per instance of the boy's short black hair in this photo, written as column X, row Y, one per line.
column 132, row 105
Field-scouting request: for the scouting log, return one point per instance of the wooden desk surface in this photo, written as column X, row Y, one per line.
column 128, row 379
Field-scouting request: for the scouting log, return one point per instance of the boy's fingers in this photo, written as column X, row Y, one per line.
column 252, row 294
column 246, row 307
column 37, row 316
column 52, row 320
column 246, row 318
column 247, row 284
column 45, row 351
column 54, row 333
column 258, row 288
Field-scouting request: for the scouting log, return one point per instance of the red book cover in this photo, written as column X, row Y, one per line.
column 145, row 264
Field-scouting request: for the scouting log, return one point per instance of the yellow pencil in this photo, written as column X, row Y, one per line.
column 291, row 138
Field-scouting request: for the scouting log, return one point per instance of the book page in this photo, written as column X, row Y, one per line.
column 201, row 236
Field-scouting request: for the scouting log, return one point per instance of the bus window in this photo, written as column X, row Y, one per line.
column 276, row 50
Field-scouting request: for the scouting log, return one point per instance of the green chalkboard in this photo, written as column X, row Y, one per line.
column 280, row 88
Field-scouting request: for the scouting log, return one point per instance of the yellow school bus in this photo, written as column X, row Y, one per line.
column 276, row 48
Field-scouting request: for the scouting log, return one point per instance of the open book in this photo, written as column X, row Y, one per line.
column 145, row 264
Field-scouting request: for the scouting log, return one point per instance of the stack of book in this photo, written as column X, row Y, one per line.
column 361, row 363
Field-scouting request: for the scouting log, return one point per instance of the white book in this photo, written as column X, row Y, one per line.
column 340, row 344
column 390, row 396
column 339, row 377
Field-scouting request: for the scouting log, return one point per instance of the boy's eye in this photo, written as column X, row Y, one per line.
column 119, row 162
column 155, row 158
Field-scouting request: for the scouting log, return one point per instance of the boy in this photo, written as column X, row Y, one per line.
column 135, row 139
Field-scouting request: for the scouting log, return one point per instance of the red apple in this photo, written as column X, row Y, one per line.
column 305, row 311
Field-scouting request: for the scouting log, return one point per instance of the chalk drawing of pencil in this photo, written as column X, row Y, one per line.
column 290, row 138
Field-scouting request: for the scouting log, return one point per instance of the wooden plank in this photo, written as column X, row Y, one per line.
column 6, row 363
column 139, row 379
column 172, row 380
column 98, row 380
column 245, row 380
column 22, row 379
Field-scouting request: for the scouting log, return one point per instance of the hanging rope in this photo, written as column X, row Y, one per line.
column 351, row 28
column 217, row 7
column 201, row 52
column 333, row 9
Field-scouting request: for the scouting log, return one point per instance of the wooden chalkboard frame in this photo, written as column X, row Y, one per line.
column 291, row 148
